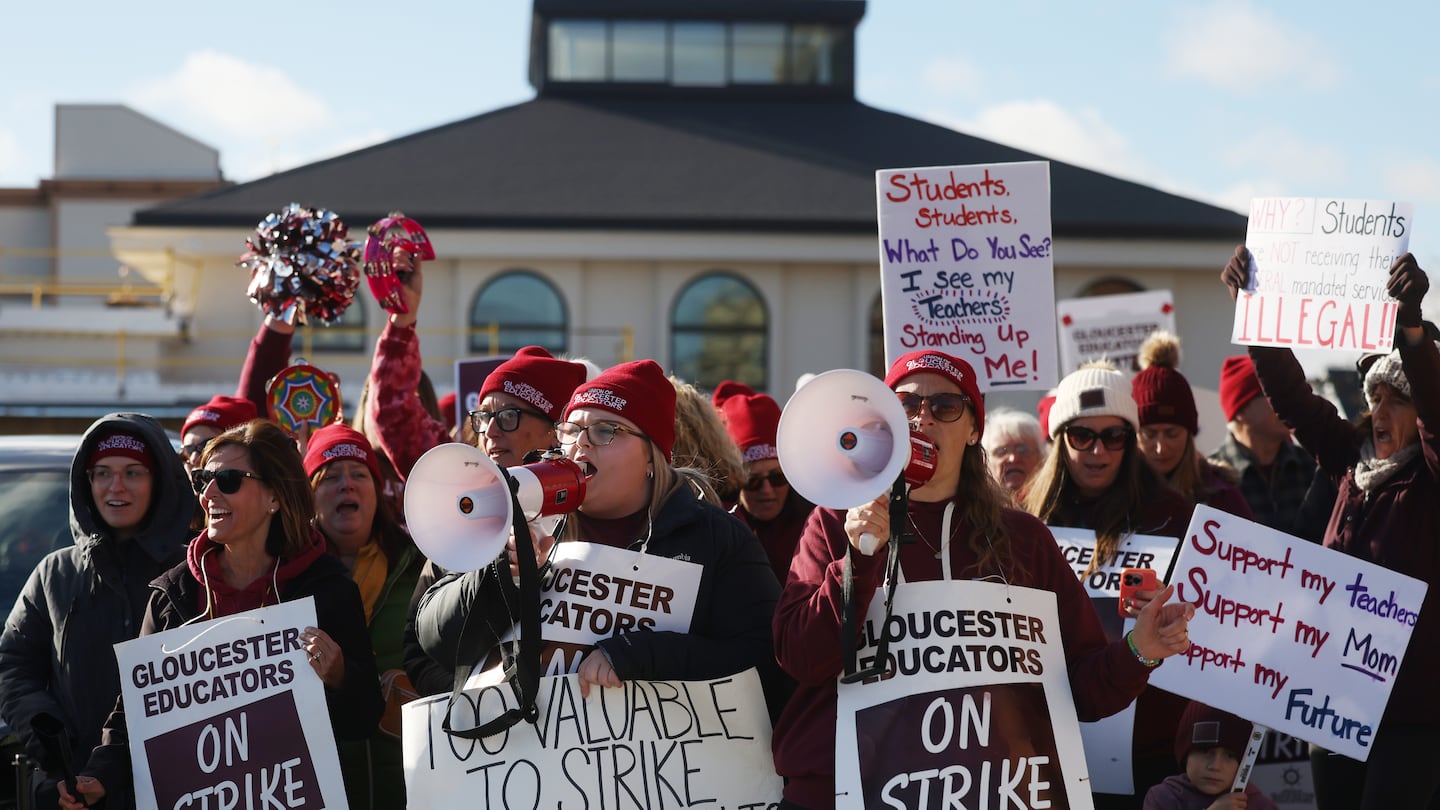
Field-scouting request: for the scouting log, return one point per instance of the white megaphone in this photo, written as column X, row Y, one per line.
column 458, row 509
column 844, row 441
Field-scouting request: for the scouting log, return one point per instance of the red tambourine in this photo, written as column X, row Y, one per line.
column 304, row 396
column 385, row 237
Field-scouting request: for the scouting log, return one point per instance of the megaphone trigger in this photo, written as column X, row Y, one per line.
column 869, row 544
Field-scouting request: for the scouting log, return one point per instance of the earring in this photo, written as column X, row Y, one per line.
column 272, row 510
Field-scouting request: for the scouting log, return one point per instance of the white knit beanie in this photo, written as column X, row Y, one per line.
column 1092, row 392
column 1389, row 371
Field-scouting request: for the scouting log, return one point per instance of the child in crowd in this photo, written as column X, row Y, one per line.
column 1209, row 745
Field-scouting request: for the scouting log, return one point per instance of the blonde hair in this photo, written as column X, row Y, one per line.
column 703, row 447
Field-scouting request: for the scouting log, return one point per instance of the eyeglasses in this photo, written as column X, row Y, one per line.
column 943, row 407
column 1017, row 450
column 194, row 449
column 105, row 475
column 1083, row 438
column 756, row 481
column 229, row 481
column 600, row 434
column 509, row 419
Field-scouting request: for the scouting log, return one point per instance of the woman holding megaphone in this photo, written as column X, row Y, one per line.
column 963, row 530
column 620, row 429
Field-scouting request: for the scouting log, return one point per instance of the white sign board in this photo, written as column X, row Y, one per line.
column 672, row 744
column 977, row 711
column 1293, row 636
column 967, row 268
column 1111, row 327
column 229, row 713
column 1318, row 272
column 1108, row 740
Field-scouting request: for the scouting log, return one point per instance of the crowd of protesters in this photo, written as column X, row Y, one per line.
column 246, row 515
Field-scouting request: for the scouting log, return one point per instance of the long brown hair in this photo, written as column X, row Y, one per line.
column 274, row 457
column 1054, row 499
column 981, row 503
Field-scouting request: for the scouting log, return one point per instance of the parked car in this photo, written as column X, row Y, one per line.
column 34, row 520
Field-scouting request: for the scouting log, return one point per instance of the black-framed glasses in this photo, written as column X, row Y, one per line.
column 229, row 481
column 1083, row 438
column 946, row 407
column 131, row 475
column 194, row 449
column 509, row 418
column 600, row 434
column 756, row 481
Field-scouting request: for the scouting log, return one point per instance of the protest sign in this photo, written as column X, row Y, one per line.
column 975, row 709
column 1111, row 327
column 229, row 713
column 643, row 744
column 1108, row 740
column 1282, row 772
column 470, row 374
column 966, row 268
column 1318, row 269
column 592, row 592
column 1293, row 636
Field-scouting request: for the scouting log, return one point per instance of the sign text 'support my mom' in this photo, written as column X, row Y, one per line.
column 967, row 269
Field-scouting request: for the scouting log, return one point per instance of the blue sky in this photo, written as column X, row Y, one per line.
column 1220, row 100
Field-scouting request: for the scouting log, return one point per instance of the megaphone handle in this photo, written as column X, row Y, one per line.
column 848, row 620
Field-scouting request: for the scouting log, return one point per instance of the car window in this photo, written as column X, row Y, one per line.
column 34, row 520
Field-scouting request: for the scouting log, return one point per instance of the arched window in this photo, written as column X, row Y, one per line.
column 524, row 309
column 876, row 364
column 718, row 331
column 346, row 335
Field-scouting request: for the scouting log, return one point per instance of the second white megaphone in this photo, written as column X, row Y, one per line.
column 458, row 508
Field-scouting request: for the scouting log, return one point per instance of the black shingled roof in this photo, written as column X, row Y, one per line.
column 710, row 164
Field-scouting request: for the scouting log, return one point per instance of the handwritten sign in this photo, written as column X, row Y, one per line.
column 644, row 744
column 1111, row 327
column 228, row 713
column 1290, row 635
column 1318, row 271
column 976, row 710
column 1108, row 740
column 967, row 268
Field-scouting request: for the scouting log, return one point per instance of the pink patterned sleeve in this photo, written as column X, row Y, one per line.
column 404, row 430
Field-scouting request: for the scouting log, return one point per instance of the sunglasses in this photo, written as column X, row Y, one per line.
column 194, row 449
column 229, row 481
column 943, row 407
column 756, row 481
column 509, row 419
column 1083, row 438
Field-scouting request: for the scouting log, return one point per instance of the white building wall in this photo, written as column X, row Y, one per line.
column 113, row 142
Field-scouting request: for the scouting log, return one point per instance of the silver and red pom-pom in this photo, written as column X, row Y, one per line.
column 302, row 265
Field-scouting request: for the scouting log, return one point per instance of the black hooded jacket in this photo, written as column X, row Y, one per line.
column 55, row 652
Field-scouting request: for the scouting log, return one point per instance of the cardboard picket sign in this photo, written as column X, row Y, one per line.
column 1108, row 740
column 1318, row 271
column 1111, row 327
column 702, row 744
column 1296, row 637
column 229, row 713
column 977, row 710
column 967, row 268
column 470, row 374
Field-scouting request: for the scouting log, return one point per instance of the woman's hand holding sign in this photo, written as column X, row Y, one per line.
column 1162, row 628
column 325, row 657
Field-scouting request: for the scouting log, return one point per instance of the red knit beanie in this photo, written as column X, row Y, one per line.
column 221, row 413
column 948, row 366
column 336, row 443
column 535, row 376
column 1203, row 726
column 125, row 445
column 638, row 391
column 447, row 410
column 751, row 419
column 1238, row 384
column 1163, row 396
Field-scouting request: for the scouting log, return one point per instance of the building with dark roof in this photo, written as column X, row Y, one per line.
column 693, row 182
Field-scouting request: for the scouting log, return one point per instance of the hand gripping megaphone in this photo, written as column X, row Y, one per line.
column 840, row 442
column 458, row 505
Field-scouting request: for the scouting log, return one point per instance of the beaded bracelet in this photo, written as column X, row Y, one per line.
column 1130, row 642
